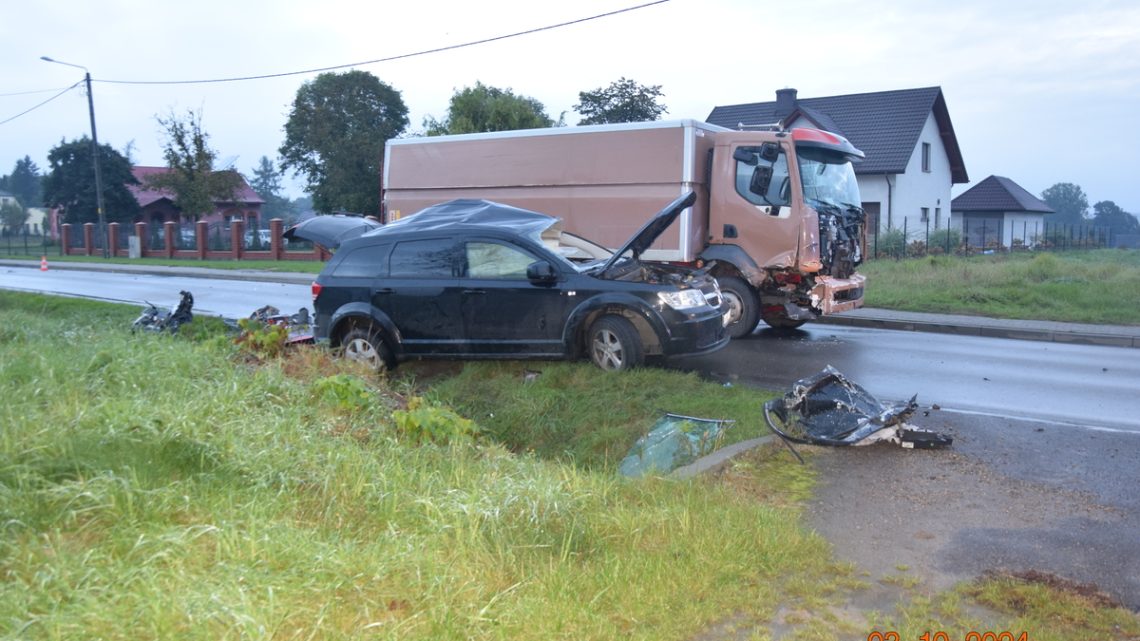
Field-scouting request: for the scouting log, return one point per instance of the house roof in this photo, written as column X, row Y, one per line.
column 998, row 193
column 146, row 196
column 885, row 125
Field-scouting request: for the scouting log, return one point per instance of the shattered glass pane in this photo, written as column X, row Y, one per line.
column 674, row 441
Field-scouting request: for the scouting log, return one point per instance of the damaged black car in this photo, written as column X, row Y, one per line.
column 476, row 279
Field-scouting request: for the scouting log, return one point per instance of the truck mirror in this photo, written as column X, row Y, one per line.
column 761, row 180
column 770, row 151
column 746, row 155
column 541, row 271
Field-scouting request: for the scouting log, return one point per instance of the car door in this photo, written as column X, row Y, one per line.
column 421, row 295
column 504, row 313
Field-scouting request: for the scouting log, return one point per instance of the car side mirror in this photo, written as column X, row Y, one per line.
column 541, row 271
column 761, row 180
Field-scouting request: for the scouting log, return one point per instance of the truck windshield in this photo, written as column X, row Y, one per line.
column 827, row 177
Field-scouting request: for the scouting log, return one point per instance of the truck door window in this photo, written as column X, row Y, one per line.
column 778, row 190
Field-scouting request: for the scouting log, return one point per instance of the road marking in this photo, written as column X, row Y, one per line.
column 1095, row 428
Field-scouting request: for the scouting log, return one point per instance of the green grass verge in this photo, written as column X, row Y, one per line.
column 1099, row 286
column 159, row 487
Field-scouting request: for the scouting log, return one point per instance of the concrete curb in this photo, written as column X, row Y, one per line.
column 719, row 459
column 1114, row 336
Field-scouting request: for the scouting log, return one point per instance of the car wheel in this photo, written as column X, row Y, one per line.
column 743, row 306
column 614, row 344
column 780, row 320
column 366, row 346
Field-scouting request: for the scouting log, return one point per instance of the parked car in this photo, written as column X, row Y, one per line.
column 476, row 279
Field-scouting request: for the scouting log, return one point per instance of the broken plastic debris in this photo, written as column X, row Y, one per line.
column 153, row 319
column 673, row 442
column 830, row 409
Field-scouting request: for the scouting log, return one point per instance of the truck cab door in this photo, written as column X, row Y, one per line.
column 766, row 226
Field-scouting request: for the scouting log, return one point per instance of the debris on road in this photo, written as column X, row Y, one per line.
column 154, row 319
column 829, row 409
column 673, row 442
column 299, row 325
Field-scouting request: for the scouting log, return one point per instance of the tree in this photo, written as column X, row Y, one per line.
column 1108, row 214
column 267, row 183
column 25, row 183
column 192, row 180
column 1070, row 203
column 13, row 216
column 482, row 108
column 335, row 137
column 70, row 183
column 623, row 101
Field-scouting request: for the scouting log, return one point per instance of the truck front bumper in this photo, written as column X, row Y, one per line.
column 834, row 295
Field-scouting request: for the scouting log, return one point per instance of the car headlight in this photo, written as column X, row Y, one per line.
column 683, row 299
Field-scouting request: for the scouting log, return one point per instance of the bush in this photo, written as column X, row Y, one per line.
column 891, row 243
column 947, row 240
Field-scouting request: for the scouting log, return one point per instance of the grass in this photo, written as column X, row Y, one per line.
column 160, row 487
column 177, row 487
column 1099, row 286
column 298, row 266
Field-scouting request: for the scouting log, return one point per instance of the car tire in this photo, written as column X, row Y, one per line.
column 743, row 306
column 780, row 320
column 614, row 344
column 367, row 346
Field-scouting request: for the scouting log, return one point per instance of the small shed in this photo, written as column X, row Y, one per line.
column 998, row 210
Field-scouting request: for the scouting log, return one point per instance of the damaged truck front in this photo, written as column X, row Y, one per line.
column 777, row 218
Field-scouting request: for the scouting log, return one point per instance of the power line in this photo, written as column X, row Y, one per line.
column 26, row 93
column 2, row 122
column 390, row 58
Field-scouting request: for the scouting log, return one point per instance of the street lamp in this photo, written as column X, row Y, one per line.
column 94, row 154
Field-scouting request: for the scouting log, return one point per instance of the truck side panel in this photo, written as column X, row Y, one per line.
column 603, row 181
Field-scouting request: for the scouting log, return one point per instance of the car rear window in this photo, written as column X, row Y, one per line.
column 433, row 258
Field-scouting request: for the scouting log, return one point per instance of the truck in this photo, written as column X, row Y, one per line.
column 777, row 219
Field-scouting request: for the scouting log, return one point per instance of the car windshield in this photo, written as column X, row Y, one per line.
column 827, row 177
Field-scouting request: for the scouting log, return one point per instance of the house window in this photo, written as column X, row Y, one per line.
column 925, row 214
column 937, row 217
column 926, row 157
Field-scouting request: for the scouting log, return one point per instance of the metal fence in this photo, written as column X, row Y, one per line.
column 985, row 237
column 24, row 244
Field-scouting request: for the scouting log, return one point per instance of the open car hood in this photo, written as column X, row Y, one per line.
column 330, row 231
column 649, row 232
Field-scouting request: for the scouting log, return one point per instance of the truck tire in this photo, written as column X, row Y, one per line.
column 780, row 320
column 368, row 347
column 743, row 305
column 614, row 344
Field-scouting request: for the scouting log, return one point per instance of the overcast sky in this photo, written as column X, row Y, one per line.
column 1040, row 91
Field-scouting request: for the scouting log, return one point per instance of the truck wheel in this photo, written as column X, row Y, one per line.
column 743, row 306
column 780, row 320
column 614, row 344
column 366, row 346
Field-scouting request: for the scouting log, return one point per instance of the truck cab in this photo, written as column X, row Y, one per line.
column 785, row 225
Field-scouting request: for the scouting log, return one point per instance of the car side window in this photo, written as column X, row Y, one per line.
column 432, row 258
column 778, row 192
column 362, row 262
column 487, row 259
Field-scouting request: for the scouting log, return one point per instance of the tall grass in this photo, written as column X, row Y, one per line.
column 155, row 487
column 1100, row 286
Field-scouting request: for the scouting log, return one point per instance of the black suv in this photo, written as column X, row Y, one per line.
column 478, row 279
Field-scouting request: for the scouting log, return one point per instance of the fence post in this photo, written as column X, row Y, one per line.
column 275, row 240
column 202, row 234
column 926, row 244
column 89, row 238
column 237, row 235
column 902, row 250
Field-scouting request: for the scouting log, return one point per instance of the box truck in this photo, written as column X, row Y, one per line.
column 777, row 218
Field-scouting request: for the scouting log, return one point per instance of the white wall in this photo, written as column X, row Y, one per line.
column 1023, row 225
column 917, row 189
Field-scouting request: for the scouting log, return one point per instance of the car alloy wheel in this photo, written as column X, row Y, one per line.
column 366, row 347
column 614, row 344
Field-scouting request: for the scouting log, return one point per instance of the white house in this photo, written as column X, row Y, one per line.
column 912, row 155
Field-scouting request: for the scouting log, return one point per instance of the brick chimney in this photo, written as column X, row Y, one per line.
column 785, row 101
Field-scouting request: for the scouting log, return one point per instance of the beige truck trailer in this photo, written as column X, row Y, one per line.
column 777, row 213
